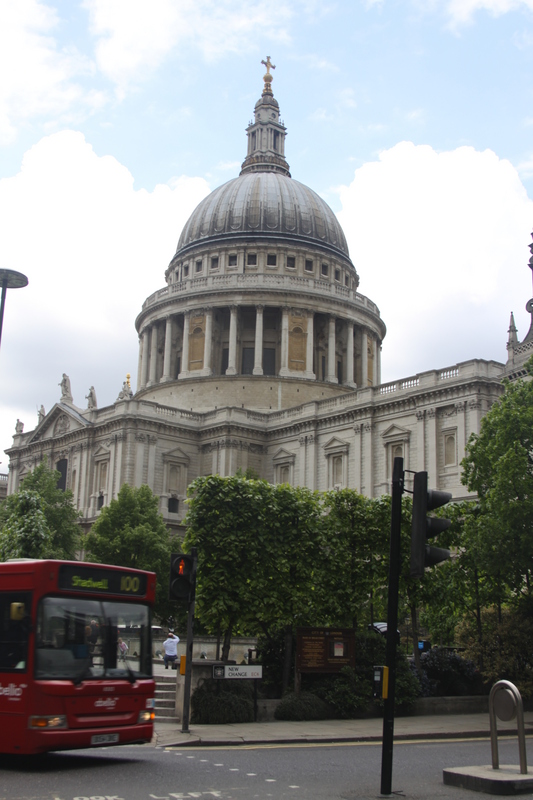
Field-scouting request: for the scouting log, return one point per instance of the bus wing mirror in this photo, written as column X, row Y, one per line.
column 17, row 612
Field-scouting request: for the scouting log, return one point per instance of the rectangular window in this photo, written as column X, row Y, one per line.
column 232, row 261
column 325, row 269
column 61, row 467
column 185, row 270
column 214, row 262
column 198, row 266
column 247, row 360
column 337, row 274
column 308, row 265
column 271, row 260
column 225, row 360
column 291, row 262
column 269, row 361
column 173, row 505
column 251, row 259
column 346, row 280
column 15, row 609
column 450, row 451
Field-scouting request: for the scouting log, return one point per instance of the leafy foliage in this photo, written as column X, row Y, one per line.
column 449, row 674
column 218, row 702
column 505, row 649
column 39, row 521
column 130, row 532
column 301, row 707
column 499, row 466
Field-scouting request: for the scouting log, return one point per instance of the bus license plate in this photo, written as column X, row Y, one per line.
column 104, row 738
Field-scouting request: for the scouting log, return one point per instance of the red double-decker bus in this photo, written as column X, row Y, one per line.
column 75, row 655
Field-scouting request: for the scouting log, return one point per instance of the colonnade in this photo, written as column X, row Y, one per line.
column 306, row 344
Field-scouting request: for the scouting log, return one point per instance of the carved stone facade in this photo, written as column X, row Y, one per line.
column 259, row 352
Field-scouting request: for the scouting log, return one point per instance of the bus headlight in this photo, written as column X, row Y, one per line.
column 146, row 716
column 48, row 722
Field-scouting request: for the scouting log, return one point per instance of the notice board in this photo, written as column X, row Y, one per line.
column 324, row 649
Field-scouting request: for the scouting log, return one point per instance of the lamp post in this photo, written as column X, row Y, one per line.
column 9, row 279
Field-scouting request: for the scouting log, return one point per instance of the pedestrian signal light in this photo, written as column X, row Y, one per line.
column 424, row 527
column 182, row 577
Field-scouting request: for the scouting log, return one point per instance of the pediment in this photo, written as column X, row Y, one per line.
column 178, row 455
column 395, row 432
column 101, row 453
column 283, row 455
column 60, row 420
column 336, row 445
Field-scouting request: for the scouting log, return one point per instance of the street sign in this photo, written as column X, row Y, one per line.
column 233, row 671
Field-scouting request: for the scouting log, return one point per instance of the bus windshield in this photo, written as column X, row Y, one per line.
column 79, row 639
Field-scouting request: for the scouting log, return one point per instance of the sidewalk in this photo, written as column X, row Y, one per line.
column 435, row 726
column 454, row 726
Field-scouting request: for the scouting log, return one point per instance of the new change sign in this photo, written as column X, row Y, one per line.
column 240, row 672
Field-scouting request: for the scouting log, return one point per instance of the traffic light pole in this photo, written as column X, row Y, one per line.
column 392, row 625
column 188, row 657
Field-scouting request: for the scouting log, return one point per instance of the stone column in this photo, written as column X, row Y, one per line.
column 153, row 355
column 302, row 459
column 375, row 372
column 358, row 457
column 431, row 432
column 145, row 358
column 378, row 361
column 118, row 468
column 232, row 354
column 364, row 358
column 331, row 377
column 349, row 354
column 185, row 348
column 460, row 408
column 208, row 342
column 420, row 440
column 368, row 461
column 140, row 364
column 168, row 350
column 310, row 346
column 258, row 346
column 152, row 442
column 284, row 367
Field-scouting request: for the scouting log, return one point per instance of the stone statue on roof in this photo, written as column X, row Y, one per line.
column 66, row 393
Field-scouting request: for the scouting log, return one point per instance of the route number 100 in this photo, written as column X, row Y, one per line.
column 129, row 584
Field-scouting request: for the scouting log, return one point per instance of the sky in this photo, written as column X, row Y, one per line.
column 413, row 119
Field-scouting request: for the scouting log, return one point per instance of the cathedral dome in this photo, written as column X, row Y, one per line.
column 264, row 205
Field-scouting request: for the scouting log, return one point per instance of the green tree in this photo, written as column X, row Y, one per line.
column 498, row 466
column 39, row 521
column 131, row 532
column 227, row 521
column 289, row 584
column 357, row 531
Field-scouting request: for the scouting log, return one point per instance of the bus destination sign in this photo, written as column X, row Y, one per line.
column 83, row 578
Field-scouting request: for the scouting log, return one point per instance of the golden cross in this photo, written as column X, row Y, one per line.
column 268, row 64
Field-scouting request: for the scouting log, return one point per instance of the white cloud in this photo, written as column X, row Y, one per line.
column 440, row 241
column 463, row 11
column 93, row 249
column 38, row 77
column 134, row 36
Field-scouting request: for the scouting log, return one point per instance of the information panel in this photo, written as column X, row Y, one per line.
column 98, row 580
column 324, row 649
column 238, row 672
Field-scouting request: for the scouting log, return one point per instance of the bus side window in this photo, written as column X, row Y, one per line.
column 14, row 630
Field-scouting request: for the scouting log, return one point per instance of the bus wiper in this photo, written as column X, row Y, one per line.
column 85, row 673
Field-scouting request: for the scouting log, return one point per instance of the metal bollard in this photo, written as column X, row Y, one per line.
column 505, row 703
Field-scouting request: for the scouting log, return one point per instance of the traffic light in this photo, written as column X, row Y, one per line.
column 182, row 576
column 424, row 527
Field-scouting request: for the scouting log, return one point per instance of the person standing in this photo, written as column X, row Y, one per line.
column 171, row 649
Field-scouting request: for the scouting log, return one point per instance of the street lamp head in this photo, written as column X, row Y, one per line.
column 12, row 279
